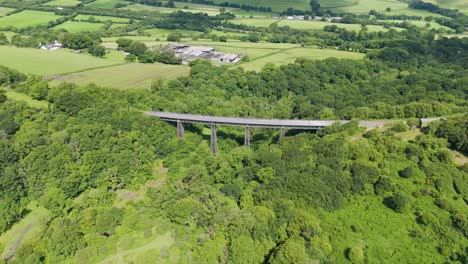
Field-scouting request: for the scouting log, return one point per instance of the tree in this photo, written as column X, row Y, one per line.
column 124, row 44
column 222, row 39
column 130, row 58
column 291, row 251
column 3, row 96
column 40, row 90
column 388, row 9
column 174, row 36
column 137, row 48
column 3, row 39
column 355, row 254
column 97, row 50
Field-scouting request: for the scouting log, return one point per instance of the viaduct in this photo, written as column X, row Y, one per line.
column 248, row 123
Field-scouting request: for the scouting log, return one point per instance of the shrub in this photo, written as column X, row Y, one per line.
column 407, row 172
column 383, row 185
column 399, row 127
column 398, row 202
column 355, row 254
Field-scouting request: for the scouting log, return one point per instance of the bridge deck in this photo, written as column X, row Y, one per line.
column 237, row 121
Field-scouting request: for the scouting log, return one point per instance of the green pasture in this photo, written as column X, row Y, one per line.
column 433, row 25
column 290, row 55
column 43, row 62
column 364, row 6
column 257, row 22
column 103, row 18
column 304, row 24
column 126, row 76
column 461, row 5
column 105, row 4
column 412, row 12
column 179, row 6
column 27, row 18
column 314, row 25
column 75, row 26
column 16, row 96
column 5, row 10
column 276, row 5
column 63, row 3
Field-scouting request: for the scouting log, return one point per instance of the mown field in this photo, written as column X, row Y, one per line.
column 27, row 18
column 42, row 62
column 75, row 26
column 127, row 76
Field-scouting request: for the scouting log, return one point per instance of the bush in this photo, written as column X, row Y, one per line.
column 355, row 254
column 399, row 127
column 398, row 202
column 407, row 172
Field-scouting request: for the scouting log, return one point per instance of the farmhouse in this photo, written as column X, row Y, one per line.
column 188, row 53
column 56, row 45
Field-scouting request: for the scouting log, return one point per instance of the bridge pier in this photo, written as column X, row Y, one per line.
column 247, row 136
column 213, row 139
column 282, row 132
column 180, row 129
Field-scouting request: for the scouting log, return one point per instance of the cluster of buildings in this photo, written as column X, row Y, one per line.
column 188, row 53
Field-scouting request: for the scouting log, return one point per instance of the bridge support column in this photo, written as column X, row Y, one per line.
column 247, row 136
column 180, row 129
column 282, row 132
column 213, row 143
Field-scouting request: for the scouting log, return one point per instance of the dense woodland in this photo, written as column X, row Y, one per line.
column 281, row 201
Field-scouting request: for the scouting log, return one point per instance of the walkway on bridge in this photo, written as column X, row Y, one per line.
column 282, row 124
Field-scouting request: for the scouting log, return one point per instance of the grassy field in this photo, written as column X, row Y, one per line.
column 290, row 55
column 103, row 18
column 127, row 76
column 276, row 5
column 4, row 11
column 28, row 228
column 461, row 5
column 15, row 96
column 258, row 22
column 423, row 24
column 63, row 3
column 27, row 18
column 106, row 4
column 364, row 6
column 74, row 26
column 303, row 24
column 44, row 62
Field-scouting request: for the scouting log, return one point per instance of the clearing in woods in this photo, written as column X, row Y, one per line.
column 27, row 228
column 16, row 96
